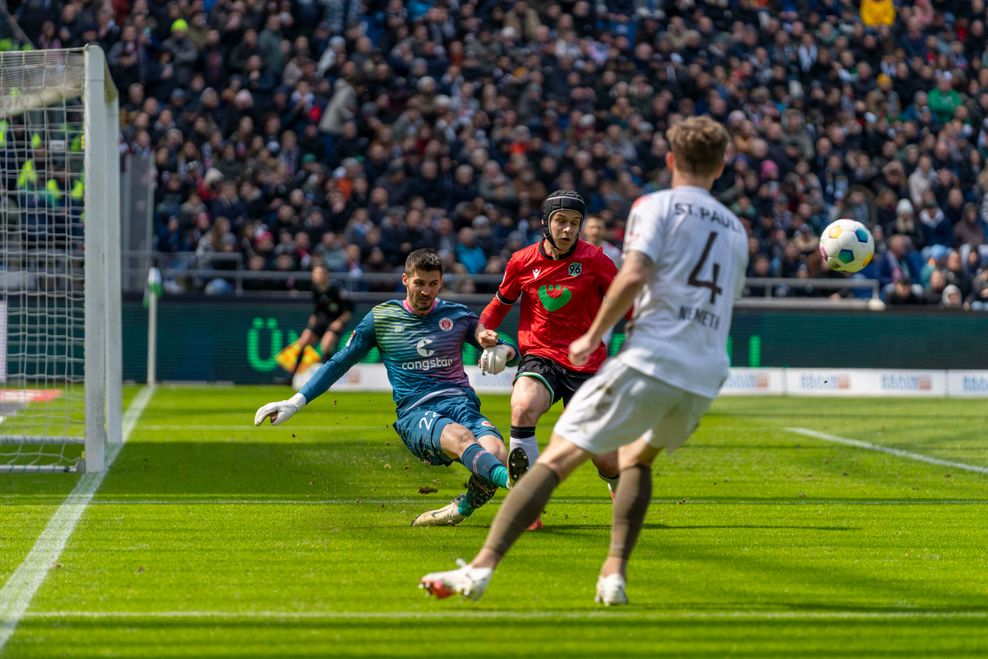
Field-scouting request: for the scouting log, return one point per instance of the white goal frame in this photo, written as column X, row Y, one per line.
column 102, row 378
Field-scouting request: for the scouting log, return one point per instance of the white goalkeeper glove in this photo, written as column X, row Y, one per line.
column 279, row 411
column 494, row 359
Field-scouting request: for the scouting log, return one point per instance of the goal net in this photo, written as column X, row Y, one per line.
column 59, row 261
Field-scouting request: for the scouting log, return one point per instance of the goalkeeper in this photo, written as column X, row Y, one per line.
column 561, row 281
column 421, row 342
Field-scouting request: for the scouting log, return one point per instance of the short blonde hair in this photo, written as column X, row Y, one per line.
column 698, row 144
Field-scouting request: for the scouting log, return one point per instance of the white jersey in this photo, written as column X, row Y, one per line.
column 683, row 314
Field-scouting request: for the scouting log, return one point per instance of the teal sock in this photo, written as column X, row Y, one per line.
column 500, row 476
column 483, row 463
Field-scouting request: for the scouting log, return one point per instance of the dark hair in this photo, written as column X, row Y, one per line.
column 425, row 260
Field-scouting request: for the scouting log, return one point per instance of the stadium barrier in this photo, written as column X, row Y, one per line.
column 757, row 382
column 233, row 340
column 191, row 271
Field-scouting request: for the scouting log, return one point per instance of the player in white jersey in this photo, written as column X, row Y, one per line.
column 685, row 256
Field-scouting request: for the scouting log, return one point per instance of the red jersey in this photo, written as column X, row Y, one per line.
column 559, row 300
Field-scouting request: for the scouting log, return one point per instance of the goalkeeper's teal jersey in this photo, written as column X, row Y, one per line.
column 423, row 354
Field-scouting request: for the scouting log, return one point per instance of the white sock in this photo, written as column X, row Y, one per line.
column 528, row 444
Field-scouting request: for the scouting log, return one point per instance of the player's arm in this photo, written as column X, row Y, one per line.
column 634, row 273
column 606, row 272
column 494, row 358
column 499, row 306
column 362, row 340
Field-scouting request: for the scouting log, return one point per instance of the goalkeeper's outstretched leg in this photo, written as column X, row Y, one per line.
column 453, row 430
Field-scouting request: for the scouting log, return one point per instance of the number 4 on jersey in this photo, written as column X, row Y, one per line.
column 711, row 283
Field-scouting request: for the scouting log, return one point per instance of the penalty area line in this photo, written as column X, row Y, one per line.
column 899, row 453
column 19, row 590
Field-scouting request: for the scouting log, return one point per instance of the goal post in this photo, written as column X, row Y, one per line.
column 60, row 375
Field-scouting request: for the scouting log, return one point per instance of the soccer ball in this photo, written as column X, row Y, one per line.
column 846, row 245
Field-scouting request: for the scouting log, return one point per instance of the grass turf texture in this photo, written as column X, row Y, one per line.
column 212, row 538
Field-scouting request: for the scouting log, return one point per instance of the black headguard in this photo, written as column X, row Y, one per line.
column 562, row 200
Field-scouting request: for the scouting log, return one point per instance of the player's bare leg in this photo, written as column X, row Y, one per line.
column 523, row 503
column 495, row 445
column 526, row 500
column 530, row 399
column 634, row 493
column 608, row 469
column 308, row 338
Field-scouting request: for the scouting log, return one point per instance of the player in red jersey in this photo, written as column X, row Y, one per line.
column 561, row 281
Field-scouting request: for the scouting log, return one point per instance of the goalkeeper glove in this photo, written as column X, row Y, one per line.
column 493, row 360
column 279, row 411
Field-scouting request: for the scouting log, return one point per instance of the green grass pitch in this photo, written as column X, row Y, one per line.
column 212, row 538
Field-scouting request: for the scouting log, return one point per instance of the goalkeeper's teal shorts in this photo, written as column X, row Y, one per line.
column 422, row 426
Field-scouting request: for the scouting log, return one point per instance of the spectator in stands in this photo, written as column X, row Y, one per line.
column 184, row 53
column 978, row 298
column 903, row 293
column 944, row 100
column 933, row 294
column 952, row 298
column 900, row 261
column 340, row 110
column 225, row 258
column 970, row 230
column 921, row 180
column 973, row 260
column 956, row 272
column 468, row 252
column 936, row 228
column 844, row 110
column 906, row 224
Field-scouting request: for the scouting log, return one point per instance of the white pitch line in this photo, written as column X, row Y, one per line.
column 560, row 501
column 461, row 613
column 25, row 581
column 899, row 453
column 249, row 427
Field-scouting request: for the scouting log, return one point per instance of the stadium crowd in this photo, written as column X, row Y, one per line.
column 351, row 132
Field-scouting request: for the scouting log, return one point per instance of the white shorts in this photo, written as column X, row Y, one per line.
column 619, row 404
